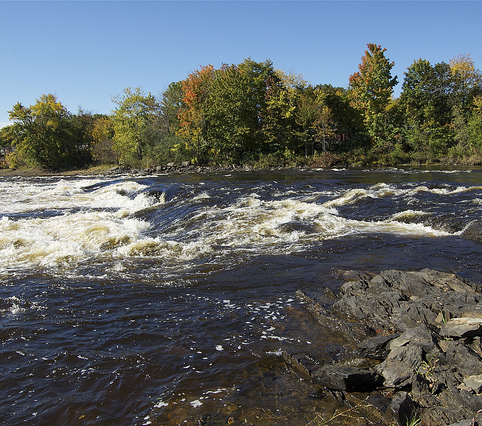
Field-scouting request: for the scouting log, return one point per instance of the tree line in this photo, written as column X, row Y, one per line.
column 253, row 114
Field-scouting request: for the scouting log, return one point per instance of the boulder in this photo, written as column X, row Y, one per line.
column 345, row 378
column 459, row 328
column 400, row 365
column 376, row 347
column 473, row 231
column 420, row 336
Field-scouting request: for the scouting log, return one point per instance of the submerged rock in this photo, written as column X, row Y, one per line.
column 345, row 378
column 473, row 231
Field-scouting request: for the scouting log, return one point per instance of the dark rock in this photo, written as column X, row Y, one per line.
column 400, row 365
column 376, row 347
column 428, row 327
column 420, row 336
column 351, row 332
column 344, row 378
column 402, row 408
column 403, row 300
column 301, row 362
column 473, row 231
column 461, row 356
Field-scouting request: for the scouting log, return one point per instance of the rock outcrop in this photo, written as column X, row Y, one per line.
column 419, row 338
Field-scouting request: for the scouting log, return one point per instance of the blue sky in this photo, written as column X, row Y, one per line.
column 85, row 52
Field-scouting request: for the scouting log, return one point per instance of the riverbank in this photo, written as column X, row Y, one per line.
column 418, row 341
column 111, row 170
column 29, row 172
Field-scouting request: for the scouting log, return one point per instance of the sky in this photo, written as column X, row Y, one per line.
column 86, row 52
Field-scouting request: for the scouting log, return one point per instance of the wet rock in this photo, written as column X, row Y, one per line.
column 301, row 362
column 344, row 378
column 473, row 231
column 428, row 327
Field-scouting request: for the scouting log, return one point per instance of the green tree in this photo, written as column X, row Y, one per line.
column 134, row 120
column 371, row 89
column 46, row 136
column 228, row 115
column 279, row 117
column 427, row 101
column 467, row 79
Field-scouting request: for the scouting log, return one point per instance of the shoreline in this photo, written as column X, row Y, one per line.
column 104, row 170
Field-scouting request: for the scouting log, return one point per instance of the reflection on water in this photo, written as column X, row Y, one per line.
column 169, row 299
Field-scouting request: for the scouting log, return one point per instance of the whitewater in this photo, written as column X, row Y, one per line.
column 161, row 299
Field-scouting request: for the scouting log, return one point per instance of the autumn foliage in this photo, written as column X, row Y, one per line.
column 252, row 113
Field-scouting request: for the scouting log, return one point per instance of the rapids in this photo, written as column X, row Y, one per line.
column 167, row 299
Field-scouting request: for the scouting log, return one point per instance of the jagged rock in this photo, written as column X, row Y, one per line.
column 376, row 347
column 301, row 362
column 473, row 383
column 403, row 300
column 462, row 327
column 462, row 357
column 420, row 336
column 344, row 378
column 429, row 334
column 400, row 365
column 402, row 408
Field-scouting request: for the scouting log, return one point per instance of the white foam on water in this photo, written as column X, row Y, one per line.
column 444, row 191
column 98, row 224
column 71, row 194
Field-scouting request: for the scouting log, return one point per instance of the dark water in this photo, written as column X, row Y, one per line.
column 168, row 299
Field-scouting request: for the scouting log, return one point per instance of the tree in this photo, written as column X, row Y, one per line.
column 171, row 105
column 228, row 114
column 468, row 80
column 133, row 122
column 371, row 89
column 102, row 144
column 192, row 124
column 46, row 136
column 427, row 101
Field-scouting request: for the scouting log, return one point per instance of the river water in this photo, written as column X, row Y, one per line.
column 168, row 299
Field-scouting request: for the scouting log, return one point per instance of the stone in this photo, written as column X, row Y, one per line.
column 376, row 347
column 458, row 355
column 400, row 365
column 473, row 231
column 402, row 408
column 459, row 328
column 301, row 363
column 474, row 383
column 344, row 378
column 420, row 336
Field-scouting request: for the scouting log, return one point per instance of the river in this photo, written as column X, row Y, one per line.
column 168, row 299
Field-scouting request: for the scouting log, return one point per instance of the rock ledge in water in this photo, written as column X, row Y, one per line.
column 426, row 331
